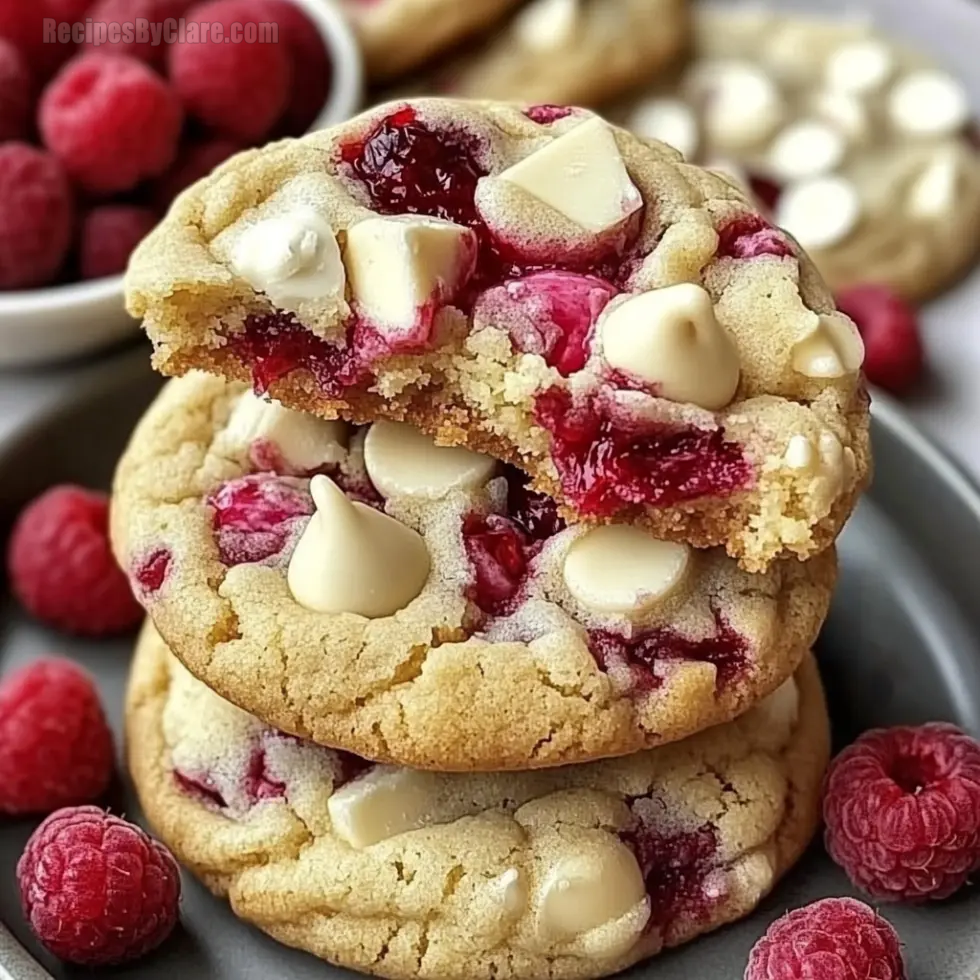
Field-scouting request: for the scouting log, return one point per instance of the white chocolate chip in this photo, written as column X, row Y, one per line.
column 582, row 176
column 806, row 149
column 400, row 265
column 671, row 339
column 820, row 212
column 668, row 120
column 933, row 193
column 831, row 452
column 545, row 25
column 383, row 803
column 404, row 462
column 618, row 568
column 305, row 442
column 781, row 709
column 845, row 111
column 293, row 258
column 833, row 348
column 512, row 891
column 585, row 892
column 800, row 454
column 860, row 67
column 353, row 559
column 742, row 105
column 928, row 103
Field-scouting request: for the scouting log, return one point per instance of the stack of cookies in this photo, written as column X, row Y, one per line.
column 484, row 535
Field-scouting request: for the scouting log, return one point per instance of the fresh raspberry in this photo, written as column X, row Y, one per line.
column 125, row 13
column 109, row 235
column 194, row 161
column 833, row 939
column 312, row 70
column 902, row 811
column 96, row 889
column 22, row 23
column 239, row 89
column 893, row 355
column 61, row 567
column 55, row 745
column 68, row 10
column 36, row 214
column 16, row 100
column 111, row 120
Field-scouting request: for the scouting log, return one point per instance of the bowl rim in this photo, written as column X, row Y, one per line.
column 343, row 100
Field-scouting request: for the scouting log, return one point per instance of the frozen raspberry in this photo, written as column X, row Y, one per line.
column 111, row 120
column 902, row 811
column 55, row 746
column 193, row 162
column 833, row 939
column 36, row 213
column 126, row 13
column 312, row 70
column 96, row 889
column 109, row 235
column 61, row 566
column 893, row 356
column 22, row 23
column 750, row 237
column 68, row 10
column 238, row 89
column 16, row 99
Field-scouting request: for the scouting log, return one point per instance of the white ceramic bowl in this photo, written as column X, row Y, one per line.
column 41, row 326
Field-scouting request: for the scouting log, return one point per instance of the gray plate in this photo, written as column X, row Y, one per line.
column 902, row 645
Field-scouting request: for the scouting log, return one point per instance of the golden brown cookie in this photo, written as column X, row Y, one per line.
column 576, row 872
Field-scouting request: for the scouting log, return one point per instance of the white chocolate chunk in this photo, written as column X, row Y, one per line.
column 860, row 67
column 618, row 568
column 806, row 149
column 399, row 265
column 353, row 559
column 671, row 339
column 668, row 120
column 843, row 110
column 800, row 454
column 820, row 212
column 742, row 105
column 293, row 258
column 928, row 103
column 833, row 348
column 933, row 193
column 782, row 708
column 304, row 441
column 404, row 462
column 585, row 892
column 545, row 25
column 383, row 803
column 582, row 176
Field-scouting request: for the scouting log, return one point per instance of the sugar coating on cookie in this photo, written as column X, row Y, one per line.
column 359, row 602
column 856, row 144
column 559, row 294
column 577, row 872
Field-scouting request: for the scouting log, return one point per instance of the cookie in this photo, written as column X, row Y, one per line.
column 565, row 873
column 398, row 35
column 575, row 52
column 860, row 147
column 538, row 286
column 428, row 579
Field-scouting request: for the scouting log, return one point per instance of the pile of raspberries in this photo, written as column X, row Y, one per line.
column 97, row 138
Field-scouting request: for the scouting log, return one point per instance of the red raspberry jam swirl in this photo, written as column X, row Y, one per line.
column 151, row 572
column 676, row 869
column 726, row 649
column 605, row 467
column 256, row 516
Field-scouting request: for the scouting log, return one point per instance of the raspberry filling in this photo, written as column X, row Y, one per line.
column 151, row 572
column 726, row 649
column 605, row 467
column 750, row 236
column 546, row 114
column 535, row 513
column 257, row 783
column 200, row 787
column 677, row 869
column 256, row 516
column 552, row 314
column 498, row 553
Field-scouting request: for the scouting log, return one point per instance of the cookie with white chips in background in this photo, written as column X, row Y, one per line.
column 538, row 286
column 370, row 591
column 399, row 35
column 573, row 873
column 859, row 146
